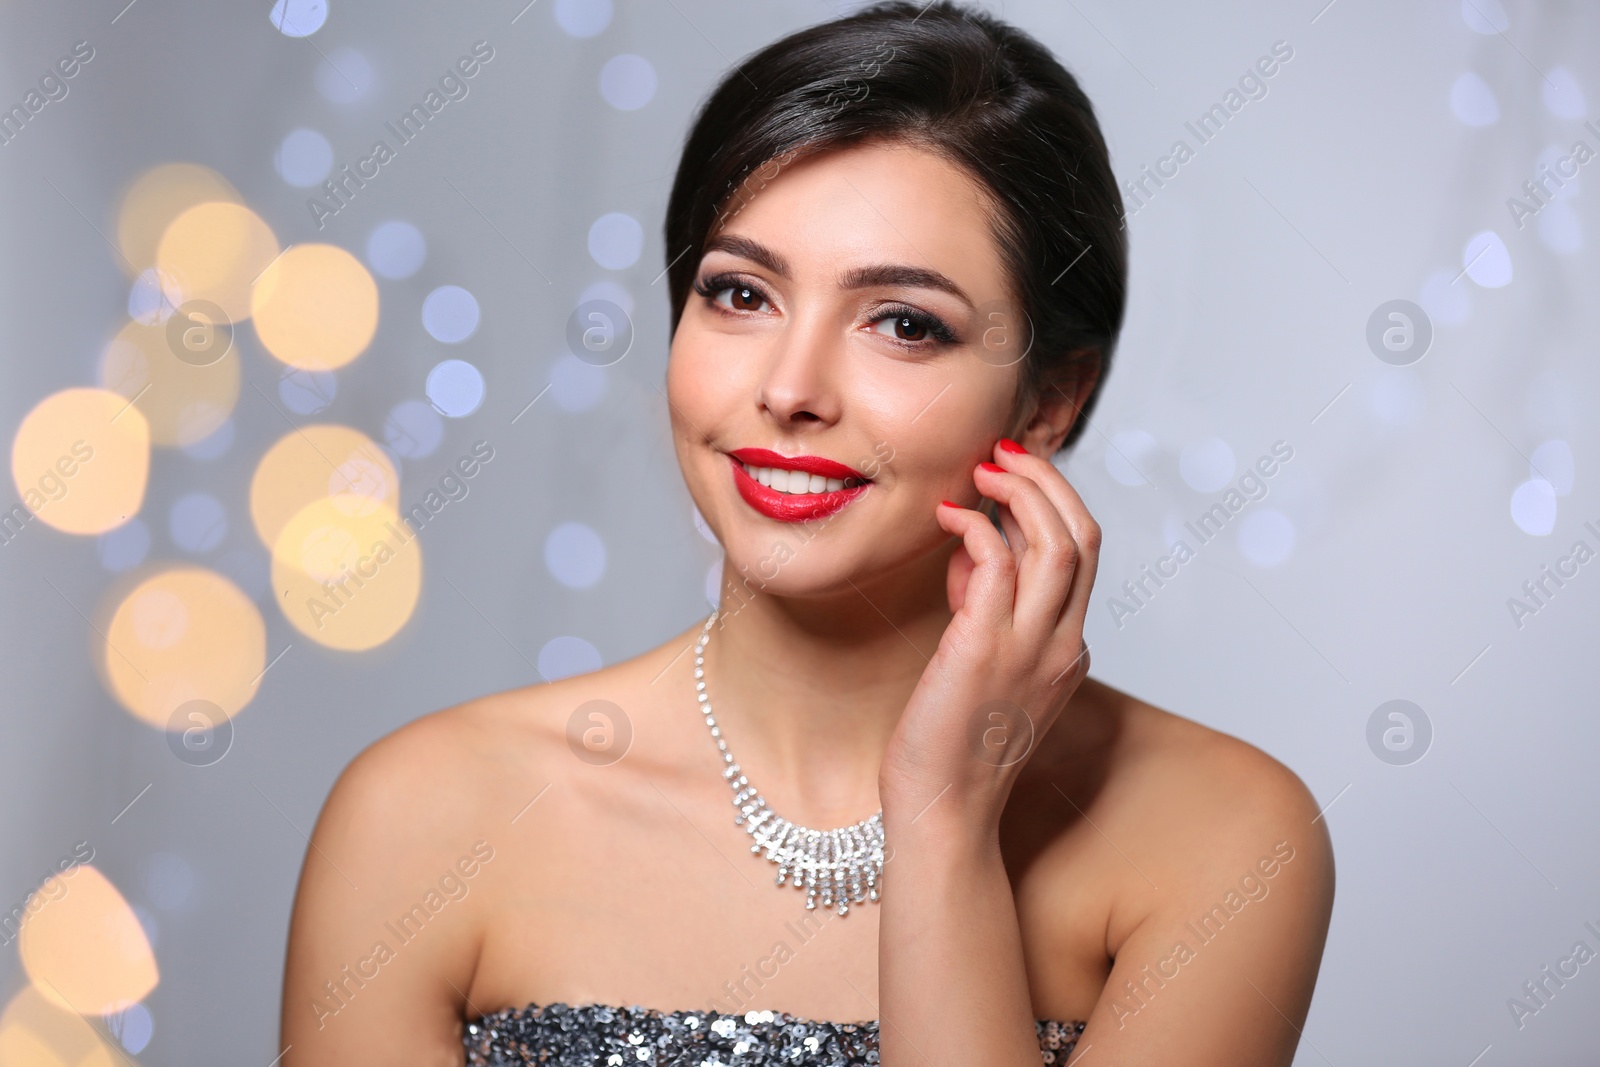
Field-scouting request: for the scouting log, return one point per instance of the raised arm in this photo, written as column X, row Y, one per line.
column 952, row 982
column 1216, row 939
column 952, row 977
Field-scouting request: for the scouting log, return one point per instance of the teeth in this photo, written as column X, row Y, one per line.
column 787, row 481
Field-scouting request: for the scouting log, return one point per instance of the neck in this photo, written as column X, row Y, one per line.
column 807, row 692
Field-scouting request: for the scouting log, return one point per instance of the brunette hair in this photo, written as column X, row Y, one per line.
column 978, row 91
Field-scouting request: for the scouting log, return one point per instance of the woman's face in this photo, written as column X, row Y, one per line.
column 844, row 318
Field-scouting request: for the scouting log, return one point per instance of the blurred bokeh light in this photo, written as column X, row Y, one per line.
column 85, row 951
column 316, row 307
column 174, row 633
column 81, row 459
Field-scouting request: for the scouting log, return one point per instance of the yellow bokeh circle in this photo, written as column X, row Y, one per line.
column 154, row 199
column 215, row 251
column 34, row 1032
column 86, row 950
column 174, row 633
column 81, row 459
column 316, row 307
column 324, row 461
column 347, row 581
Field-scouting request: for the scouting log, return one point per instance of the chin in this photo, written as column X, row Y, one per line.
column 787, row 564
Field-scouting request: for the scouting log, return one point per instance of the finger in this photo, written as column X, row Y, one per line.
column 1000, row 515
column 1015, row 538
column 991, row 585
column 1049, row 556
column 956, row 578
column 1086, row 533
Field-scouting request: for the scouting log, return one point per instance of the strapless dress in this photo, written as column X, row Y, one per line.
column 604, row 1035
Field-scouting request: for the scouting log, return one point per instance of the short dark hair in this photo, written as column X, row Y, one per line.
column 959, row 82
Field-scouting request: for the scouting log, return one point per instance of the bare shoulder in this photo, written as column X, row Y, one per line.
column 412, row 779
column 412, row 803
column 1197, row 809
column 1176, row 841
column 1190, row 762
column 465, row 763
column 421, row 832
column 471, row 757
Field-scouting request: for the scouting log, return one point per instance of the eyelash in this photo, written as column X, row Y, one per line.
column 935, row 326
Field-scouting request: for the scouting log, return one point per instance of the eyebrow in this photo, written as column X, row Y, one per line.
column 885, row 274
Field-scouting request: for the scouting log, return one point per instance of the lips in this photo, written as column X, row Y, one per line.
column 762, row 457
column 793, row 507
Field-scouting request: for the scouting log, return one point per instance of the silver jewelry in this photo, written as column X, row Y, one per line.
column 841, row 865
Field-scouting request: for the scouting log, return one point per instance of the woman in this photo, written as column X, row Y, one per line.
column 906, row 281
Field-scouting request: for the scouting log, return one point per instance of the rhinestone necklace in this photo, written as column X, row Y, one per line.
column 840, row 865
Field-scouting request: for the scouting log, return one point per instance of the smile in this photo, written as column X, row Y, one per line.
column 797, row 482
column 794, row 488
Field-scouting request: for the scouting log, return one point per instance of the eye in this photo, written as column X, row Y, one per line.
column 741, row 296
column 913, row 327
column 902, row 328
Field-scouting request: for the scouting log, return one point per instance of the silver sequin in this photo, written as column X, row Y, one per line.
column 589, row 1035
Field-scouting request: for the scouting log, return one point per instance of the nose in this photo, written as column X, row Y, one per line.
column 801, row 384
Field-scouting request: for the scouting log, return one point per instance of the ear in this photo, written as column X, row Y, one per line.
column 1060, row 402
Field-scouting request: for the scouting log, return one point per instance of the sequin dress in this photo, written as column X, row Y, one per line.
column 601, row 1035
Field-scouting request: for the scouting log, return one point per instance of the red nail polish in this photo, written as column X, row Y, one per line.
column 986, row 465
column 1009, row 445
column 947, row 504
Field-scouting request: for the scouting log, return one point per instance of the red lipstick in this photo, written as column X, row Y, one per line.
column 762, row 457
column 793, row 507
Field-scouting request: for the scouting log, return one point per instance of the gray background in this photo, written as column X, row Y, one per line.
column 1378, row 567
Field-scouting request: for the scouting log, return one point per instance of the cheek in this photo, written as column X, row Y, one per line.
column 930, row 430
column 703, row 398
column 687, row 381
column 701, row 368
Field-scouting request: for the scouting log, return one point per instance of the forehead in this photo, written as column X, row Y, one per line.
column 872, row 203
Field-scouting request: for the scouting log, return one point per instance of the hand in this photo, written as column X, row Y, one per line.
column 1013, row 653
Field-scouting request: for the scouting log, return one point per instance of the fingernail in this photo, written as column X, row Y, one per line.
column 1007, row 444
column 986, row 465
column 947, row 504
